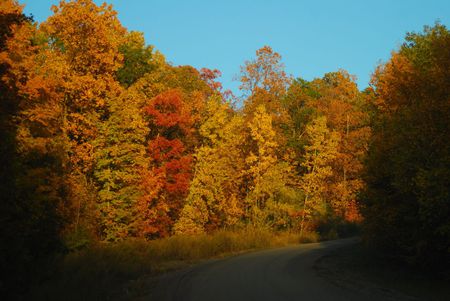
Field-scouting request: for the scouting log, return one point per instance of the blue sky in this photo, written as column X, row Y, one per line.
column 313, row 37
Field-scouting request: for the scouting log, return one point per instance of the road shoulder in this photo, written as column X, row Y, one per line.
column 353, row 267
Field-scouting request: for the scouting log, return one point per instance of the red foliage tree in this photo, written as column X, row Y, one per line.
column 166, row 183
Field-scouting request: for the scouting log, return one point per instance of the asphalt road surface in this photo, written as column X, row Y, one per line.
column 278, row 274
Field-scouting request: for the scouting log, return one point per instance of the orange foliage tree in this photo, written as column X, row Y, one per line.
column 343, row 105
column 84, row 38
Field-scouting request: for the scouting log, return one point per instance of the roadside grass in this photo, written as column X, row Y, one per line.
column 113, row 271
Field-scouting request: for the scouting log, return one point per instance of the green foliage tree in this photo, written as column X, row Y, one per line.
column 137, row 59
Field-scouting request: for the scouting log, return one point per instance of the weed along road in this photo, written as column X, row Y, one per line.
column 278, row 274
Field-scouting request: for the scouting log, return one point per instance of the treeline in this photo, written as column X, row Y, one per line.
column 103, row 140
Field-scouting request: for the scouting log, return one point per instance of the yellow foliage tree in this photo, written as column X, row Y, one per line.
column 319, row 153
column 212, row 200
column 265, row 174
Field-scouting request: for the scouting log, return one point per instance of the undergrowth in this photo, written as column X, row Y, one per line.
column 103, row 271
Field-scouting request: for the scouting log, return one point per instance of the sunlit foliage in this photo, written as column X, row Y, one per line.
column 103, row 140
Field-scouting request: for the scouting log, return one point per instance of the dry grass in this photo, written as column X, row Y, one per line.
column 102, row 272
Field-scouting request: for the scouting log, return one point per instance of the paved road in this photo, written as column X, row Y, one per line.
column 279, row 274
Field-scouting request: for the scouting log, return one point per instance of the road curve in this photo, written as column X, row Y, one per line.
column 278, row 274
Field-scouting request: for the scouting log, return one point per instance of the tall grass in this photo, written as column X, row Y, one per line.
column 102, row 272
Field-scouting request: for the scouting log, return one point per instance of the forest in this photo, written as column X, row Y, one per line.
column 103, row 142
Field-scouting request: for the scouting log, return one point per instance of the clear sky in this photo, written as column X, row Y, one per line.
column 313, row 37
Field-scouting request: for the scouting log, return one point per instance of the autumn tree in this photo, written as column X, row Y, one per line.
column 343, row 105
column 65, row 70
column 213, row 200
column 264, row 82
column 120, row 147
column 406, row 203
column 121, row 161
column 84, row 38
column 319, row 154
column 15, row 31
column 188, row 80
column 192, row 88
column 266, row 73
column 265, row 174
column 336, row 97
column 166, row 184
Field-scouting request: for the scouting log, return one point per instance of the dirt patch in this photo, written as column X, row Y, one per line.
column 357, row 268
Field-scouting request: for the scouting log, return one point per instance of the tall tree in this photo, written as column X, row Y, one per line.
column 85, row 40
column 265, row 174
column 266, row 72
column 121, row 160
column 406, row 204
column 213, row 195
column 342, row 104
column 336, row 97
column 319, row 153
column 264, row 82
column 167, row 182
